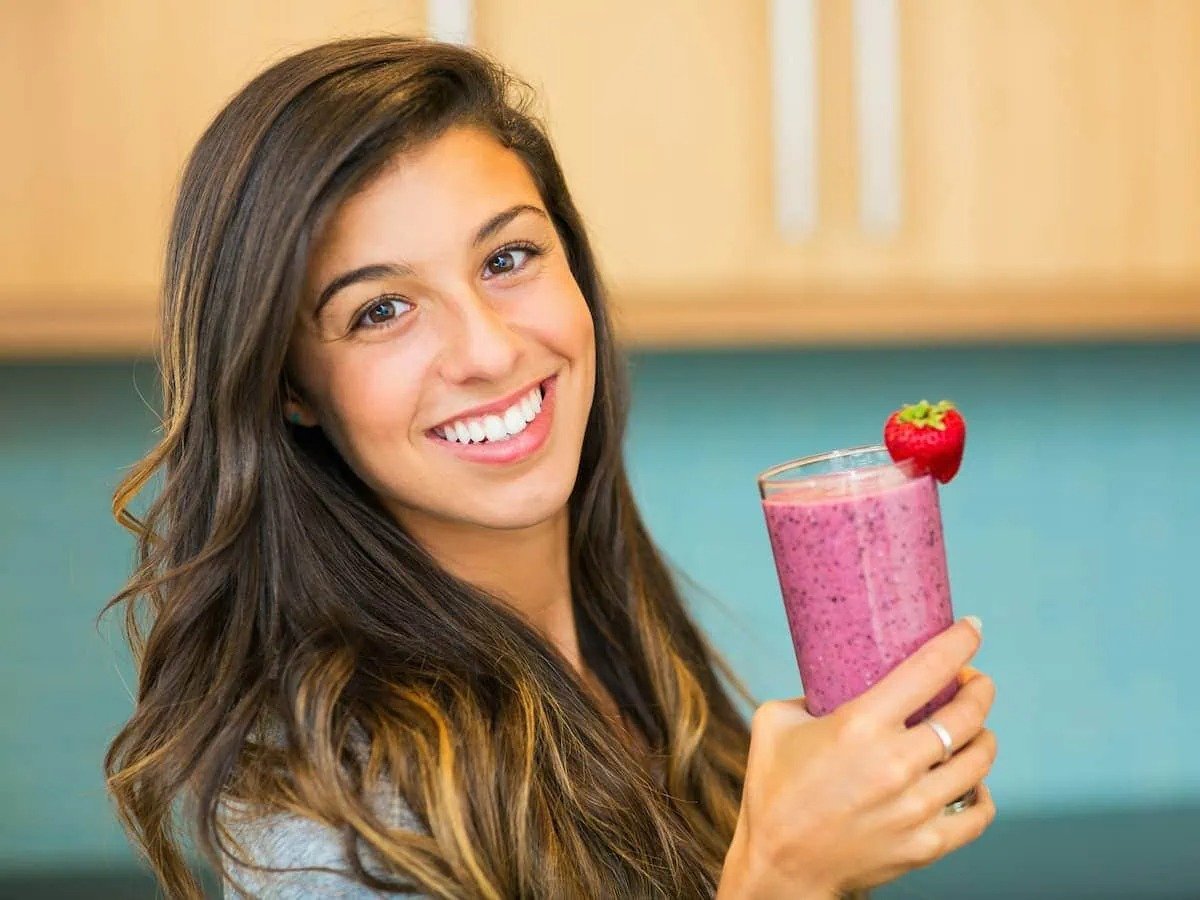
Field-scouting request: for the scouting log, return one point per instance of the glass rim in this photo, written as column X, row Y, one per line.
column 765, row 477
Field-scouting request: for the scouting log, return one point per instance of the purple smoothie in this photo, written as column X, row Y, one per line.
column 862, row 567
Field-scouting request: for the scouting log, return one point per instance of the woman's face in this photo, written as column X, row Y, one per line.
column 443, row 344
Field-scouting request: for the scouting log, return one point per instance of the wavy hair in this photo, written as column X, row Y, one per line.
column 299, row 651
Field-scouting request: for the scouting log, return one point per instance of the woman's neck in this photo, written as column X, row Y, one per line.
column 530, row 571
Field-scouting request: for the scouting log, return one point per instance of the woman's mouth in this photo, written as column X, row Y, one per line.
column 504, row 435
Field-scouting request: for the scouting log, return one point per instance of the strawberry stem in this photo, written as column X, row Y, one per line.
column 926, row 414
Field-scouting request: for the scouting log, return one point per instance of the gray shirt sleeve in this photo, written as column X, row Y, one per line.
column 302, row 847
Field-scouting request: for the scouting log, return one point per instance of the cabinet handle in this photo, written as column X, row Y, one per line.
column 793, row 26
column 452, row 21
column 877, row 92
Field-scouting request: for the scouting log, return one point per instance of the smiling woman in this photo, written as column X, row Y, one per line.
column 399, row 625
column 405, row 624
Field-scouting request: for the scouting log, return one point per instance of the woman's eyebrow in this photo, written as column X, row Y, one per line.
column 398, row 270
column 498, row 221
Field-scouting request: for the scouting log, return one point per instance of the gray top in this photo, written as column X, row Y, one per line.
column 301, row 846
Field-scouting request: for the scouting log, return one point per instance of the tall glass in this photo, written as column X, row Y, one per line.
column 858, row 547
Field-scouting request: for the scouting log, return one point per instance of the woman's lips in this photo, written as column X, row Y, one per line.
column 514, row 449
column 496, row 407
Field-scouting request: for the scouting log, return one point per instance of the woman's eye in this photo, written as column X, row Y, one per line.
column 382, row 313
column 509, row 260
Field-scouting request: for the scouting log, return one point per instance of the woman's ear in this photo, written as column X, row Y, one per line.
column 297, row 410
column 298, row 413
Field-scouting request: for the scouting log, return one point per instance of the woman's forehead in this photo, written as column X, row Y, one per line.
column 425, row 202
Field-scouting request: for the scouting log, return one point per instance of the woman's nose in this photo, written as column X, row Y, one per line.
column 479, row 342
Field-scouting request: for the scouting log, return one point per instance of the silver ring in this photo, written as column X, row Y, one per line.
column 965, row 801
column 944, row 737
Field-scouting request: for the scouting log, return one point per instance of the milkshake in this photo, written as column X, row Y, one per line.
column 858, row 547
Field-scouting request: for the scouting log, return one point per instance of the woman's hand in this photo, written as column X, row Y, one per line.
column 854, row 799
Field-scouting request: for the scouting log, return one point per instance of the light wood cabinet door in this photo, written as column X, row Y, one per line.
column 1048, row 177
column 109, row 96
column 1053, row 139
column 1047, row 168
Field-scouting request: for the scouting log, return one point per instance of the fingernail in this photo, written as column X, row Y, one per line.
column 976, row 623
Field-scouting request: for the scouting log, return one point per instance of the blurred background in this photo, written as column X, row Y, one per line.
column 809, row 211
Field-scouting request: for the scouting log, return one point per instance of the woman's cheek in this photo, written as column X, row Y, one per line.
column 585, row 335
column 563, row 316
column 378, row 401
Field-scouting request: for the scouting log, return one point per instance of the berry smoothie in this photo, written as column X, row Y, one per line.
column 862, row 567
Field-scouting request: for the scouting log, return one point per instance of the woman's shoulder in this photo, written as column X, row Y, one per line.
column 295, row 857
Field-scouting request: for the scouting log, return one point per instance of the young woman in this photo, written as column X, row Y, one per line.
column 400, row 627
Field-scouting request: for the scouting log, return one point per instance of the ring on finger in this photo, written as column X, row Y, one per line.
column 963, row 802
column 944, row 736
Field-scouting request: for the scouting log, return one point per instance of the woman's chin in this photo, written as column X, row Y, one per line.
column 515, row 515
column 485, row 510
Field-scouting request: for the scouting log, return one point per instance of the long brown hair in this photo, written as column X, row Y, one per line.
column 274, row 591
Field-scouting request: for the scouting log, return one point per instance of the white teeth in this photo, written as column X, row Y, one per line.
column 513, row 420
column 500, row 427
column 493, row 427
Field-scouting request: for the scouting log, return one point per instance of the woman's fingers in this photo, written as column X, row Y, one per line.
column 946, row 832
column 965, row 770
column 966, row 673
column 962, row 718
column 918, row 679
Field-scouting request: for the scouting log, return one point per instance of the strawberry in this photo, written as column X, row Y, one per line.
column 932, row 434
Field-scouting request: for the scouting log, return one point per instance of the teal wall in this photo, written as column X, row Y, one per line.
column 1071, row 531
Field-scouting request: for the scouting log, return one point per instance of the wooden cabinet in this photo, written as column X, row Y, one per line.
column 108, row 97
column 1047, row 157
column 1049, row 163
